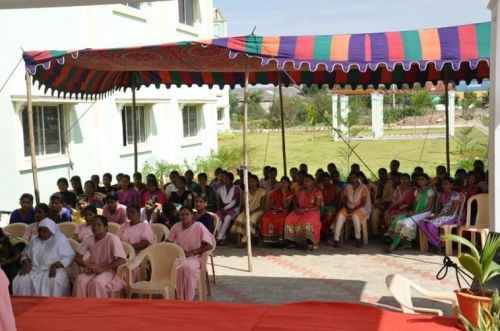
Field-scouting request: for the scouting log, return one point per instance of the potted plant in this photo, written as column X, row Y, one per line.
column 488, row 320
column 483, row 268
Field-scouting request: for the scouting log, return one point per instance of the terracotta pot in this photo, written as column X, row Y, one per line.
column 469, row 305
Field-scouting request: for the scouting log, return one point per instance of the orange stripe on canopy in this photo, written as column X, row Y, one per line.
column 271, row 45
column 429, row 41
column 339, row 50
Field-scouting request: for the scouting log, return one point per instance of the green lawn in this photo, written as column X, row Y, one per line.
column 317, row 153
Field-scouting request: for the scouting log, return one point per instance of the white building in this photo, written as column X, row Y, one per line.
column 85, row 138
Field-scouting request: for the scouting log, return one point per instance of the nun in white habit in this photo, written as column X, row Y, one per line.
column 44, row 261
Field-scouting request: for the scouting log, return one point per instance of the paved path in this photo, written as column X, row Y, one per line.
column 347, row 274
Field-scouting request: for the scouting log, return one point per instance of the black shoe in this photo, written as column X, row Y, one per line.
column 358, row 243
column 336, row 243
column 221, row 242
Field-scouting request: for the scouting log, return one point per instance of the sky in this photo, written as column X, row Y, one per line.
column 302, row 17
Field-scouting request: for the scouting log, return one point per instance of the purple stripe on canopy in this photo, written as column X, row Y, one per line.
column 357, row 48
column 448, row 38
column 221, row 42
column 380, row 49
column 287, row 46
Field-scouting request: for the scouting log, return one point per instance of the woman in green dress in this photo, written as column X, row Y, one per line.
column 403, row 228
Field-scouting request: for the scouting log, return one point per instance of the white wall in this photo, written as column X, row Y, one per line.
column 95, row 142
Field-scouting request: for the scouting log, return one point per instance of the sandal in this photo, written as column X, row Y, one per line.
column 390, row 249
column 405, row 246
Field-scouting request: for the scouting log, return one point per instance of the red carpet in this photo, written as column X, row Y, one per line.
column 70, row 314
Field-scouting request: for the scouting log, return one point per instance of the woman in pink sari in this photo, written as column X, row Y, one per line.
column 7, row 321
column 135, row 232
column 303, row 224
column 401, row 202
column 194, row 238
column 106, row 253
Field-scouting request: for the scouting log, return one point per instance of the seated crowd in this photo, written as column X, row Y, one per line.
column 298, row 211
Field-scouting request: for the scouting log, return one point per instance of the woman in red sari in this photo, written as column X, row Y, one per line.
column 303, row 224
column 279, row 203
column 401, row 201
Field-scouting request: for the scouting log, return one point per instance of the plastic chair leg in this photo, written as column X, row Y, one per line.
column 213, row 267
column 473, row 238
column 209, row 290
column 484, row 234
column 423, row 243
column 364, row 226
column 448, row 245
column 459, row 248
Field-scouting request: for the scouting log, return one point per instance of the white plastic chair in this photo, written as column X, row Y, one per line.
column 481, row 225
column 68, row 229
column 113, row 227
column 203, row 281
column 16, row 229
column 163, row 257
column 121, row 270
column 400, row 288
column 215, row 219
column 348, row 225
column 446, row 229
column 75, row 245
column 161, row 231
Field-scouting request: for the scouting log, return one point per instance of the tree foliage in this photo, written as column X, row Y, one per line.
column 420, row 103
column 469, row 103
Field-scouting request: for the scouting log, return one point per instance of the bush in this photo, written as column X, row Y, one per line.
column 393, row 115
column 225, row 158
column 160, row 169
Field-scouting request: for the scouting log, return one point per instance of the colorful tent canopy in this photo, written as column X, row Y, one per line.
column 407, row 57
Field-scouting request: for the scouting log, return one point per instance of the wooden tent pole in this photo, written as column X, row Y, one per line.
column 134, row 127
column 446, row 101
column 245, row 170
column 31, row 133
column 283, row 145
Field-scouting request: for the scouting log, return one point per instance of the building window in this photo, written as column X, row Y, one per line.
column 220, row 114
column 48, row 127
column 136, row 5
column 128, row 130
column 190, row 121
column 186, row 12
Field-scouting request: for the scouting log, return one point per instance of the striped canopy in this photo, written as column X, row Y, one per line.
column 372, row 59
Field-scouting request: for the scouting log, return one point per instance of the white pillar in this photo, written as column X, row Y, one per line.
column 335, row 122
column 377, row 115
column 344, row 112
column 494, row 158
column 451, row 112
